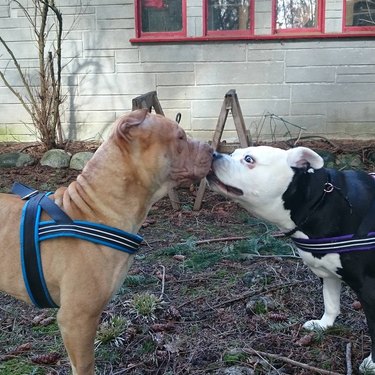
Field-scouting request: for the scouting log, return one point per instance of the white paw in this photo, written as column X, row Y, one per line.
column 315, row 325
column 367, row 367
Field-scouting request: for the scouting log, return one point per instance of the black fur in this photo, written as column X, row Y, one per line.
column 348, row 209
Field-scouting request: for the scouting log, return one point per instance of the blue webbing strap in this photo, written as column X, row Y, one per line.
column 30, row 254
column 33, row 231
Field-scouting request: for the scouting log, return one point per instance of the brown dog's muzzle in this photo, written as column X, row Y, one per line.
column 194, row 164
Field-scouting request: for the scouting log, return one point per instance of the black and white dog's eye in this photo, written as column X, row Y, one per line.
column 249, row 159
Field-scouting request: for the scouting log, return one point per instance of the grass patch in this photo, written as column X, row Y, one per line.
column 19, row 366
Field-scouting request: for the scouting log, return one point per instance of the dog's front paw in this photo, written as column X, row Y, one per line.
column 315, row 325
column 367, row 367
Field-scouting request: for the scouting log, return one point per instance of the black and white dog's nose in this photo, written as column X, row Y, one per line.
column 217, row 155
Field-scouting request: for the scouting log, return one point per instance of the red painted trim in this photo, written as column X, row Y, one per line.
column 319, row 27
column 353, row 28
column 222, row 33
column 282, row 36
column 156, row 35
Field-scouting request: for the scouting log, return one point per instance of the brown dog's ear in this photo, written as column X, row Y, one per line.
column 303, row 157
column 124, row 123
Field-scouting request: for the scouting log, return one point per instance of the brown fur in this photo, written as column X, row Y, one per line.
column 145, row 155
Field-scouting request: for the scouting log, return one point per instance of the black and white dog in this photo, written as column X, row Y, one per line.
column 329, row 214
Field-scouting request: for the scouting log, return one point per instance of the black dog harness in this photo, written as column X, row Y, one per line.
column 32, row 231
column 333, row 245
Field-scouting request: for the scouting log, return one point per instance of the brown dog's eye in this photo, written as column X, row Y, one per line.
column 249, row 159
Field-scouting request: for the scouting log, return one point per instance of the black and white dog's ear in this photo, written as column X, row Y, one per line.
column 303, row 157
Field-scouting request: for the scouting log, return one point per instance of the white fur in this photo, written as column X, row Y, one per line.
column 367, row 366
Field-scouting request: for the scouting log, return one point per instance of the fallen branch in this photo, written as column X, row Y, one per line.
column 290, row 361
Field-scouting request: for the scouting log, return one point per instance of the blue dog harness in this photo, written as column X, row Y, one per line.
column 33, row 231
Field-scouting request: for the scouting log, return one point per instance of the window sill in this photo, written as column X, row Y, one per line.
column 282, row 36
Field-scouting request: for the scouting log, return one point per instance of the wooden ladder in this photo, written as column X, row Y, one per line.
column 150, row 100
column 232, row 104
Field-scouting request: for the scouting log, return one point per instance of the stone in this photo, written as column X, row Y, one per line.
column 236, row 370
column 56, row 158
column 79, row 160
column 16, row 159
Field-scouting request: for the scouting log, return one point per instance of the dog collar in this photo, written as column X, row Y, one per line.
column 33, row 231
column 328, row 188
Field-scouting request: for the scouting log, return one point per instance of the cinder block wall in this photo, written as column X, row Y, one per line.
column 326, row 86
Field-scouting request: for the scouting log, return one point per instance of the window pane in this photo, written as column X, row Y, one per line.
column 293, row 14
column 161, row 15
column 360, row 13
column 228, row 15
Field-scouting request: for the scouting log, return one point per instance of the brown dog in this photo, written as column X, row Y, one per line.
column 145, row 156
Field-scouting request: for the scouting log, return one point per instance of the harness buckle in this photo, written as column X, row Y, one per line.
column 27, row 196
column 328, row 187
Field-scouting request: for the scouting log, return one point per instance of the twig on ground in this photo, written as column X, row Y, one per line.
column 162, row 284
column 221, row 239
column 290, row 361
column 348, row 358
column 255, row 292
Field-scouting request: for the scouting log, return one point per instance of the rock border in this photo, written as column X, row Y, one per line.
column 54, row 158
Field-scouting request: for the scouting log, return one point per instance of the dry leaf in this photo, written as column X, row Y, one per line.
column 306, row 340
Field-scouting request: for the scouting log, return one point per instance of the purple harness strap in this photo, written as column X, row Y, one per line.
column 341, row 244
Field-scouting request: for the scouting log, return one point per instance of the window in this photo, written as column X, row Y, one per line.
column 359, row 14
column 298, row 15
column 225, row 17
column 161, row 17
column 206, row 20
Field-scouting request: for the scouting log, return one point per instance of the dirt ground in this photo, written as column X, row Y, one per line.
column 213, row 291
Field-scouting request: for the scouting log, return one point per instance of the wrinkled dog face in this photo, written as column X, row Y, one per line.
column 160, row 152
column 257, row 177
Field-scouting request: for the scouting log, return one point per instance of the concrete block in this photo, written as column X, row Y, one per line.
column 118, row 103
column 310, row 74
column 350, row 130
column 240, row 73
column 351, row 112
column 88, row 117
column 11, row 114
column 173, row 79
column 321, row 93
column 195, row 53
column 325, row 57
column 89, row 65
column 74, row 22
column 112, row 24
column 121, row 83
column 107, row 39
column 128, row 55
column 4, row 11
column 112, row 11
column 309, row 108
column 265, row 55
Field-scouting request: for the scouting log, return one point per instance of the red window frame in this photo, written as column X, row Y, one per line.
column 159, row 34
column 357, row 29
column 227, row 33
column 300, row 30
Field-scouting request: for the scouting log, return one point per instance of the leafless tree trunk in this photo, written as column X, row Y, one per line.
column 43, row 102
